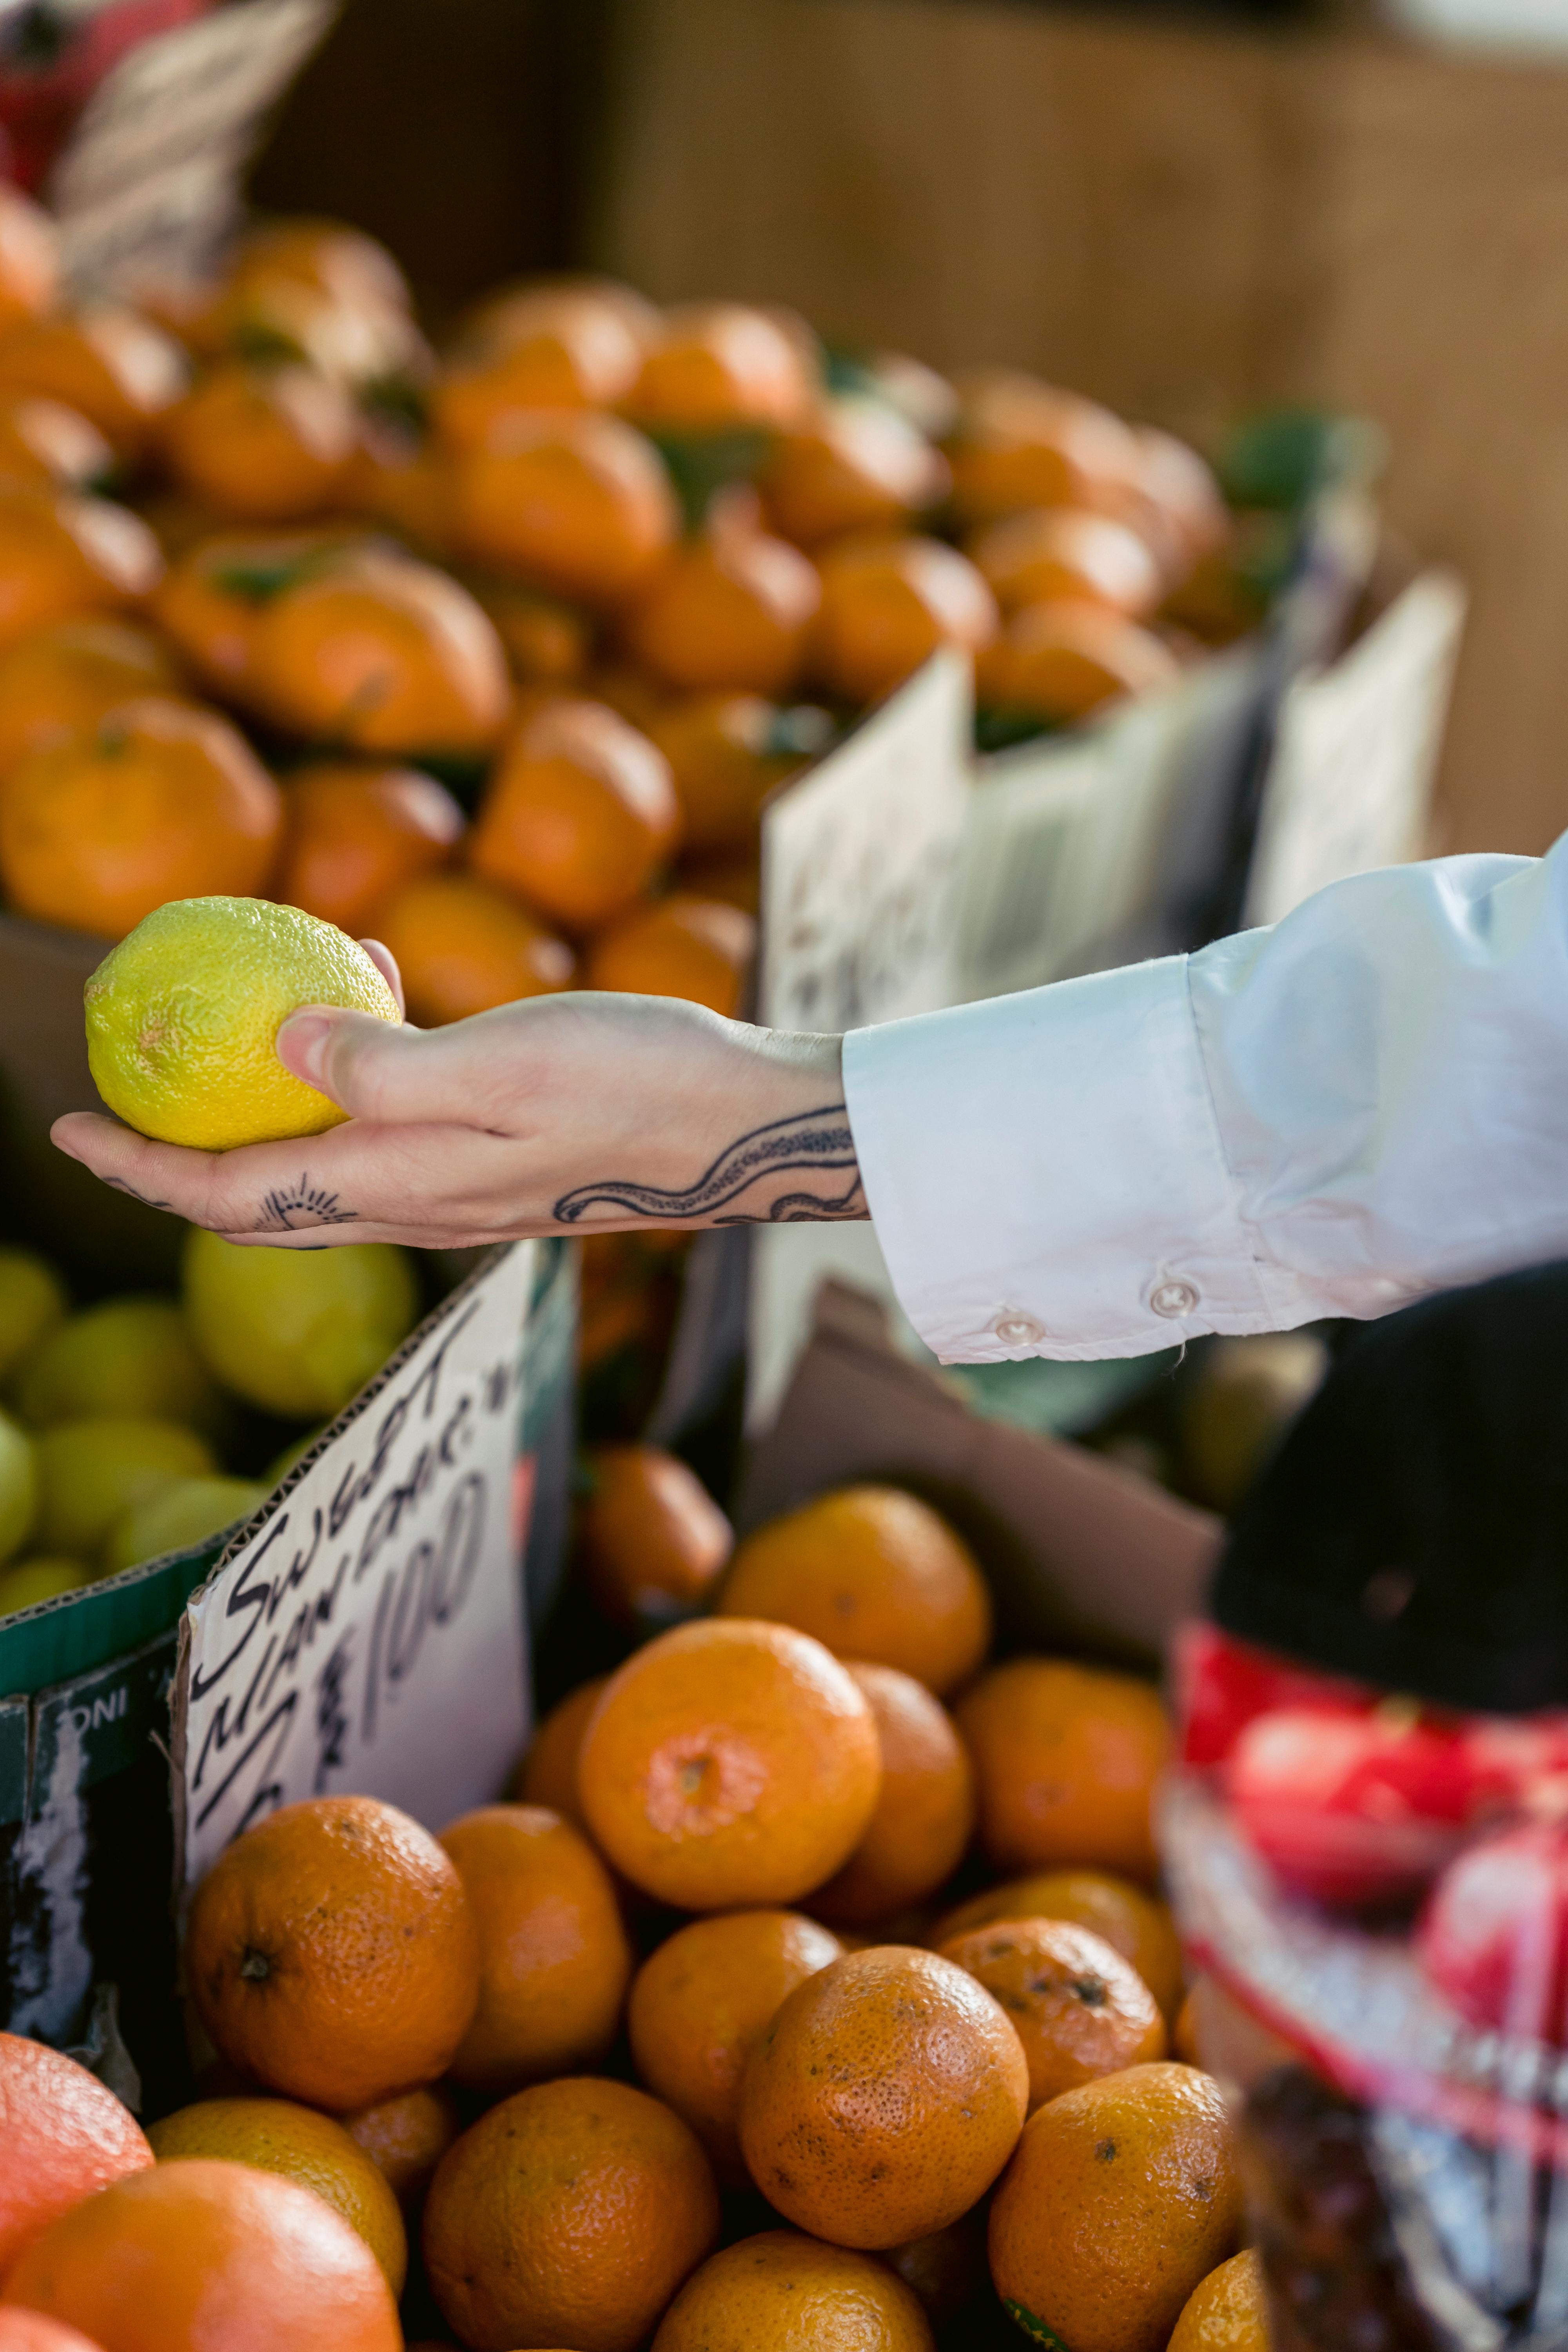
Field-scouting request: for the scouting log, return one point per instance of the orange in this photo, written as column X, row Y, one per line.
column 325, row 254
column 856, row 466
column 884, row 2098
column 403, row 481
column 63, row 2136
column 547, row 350
column 204, row 2253
column 554, row 1963
column 791, row 2295
column 699, row 948
column 1179, row 488
column 60, row 682
column 548, row 1773
column 29, row 258
column 1132, row 1922
column 946, row 2269
column 731, row 609
column 1067, row 1759
column 721, row 365
column 568, row 2215
column 355, row 340
column 261, row 444
column 700, row 2004
column 1050, row 551
column 925, row 1812
column 1229, row 2312
column 1022, row 443
column 42, row 440
column 726, row 752
column 574, row 501
column 29, row 2331
column 300, row 2145
column 406, row 2137
column 61, row 555
column 547, row 643
column 212, row 598
column 1065, row 660
column 1122, row 2196
column 1080, row 2010
column 382, row 653
column 580, row 813
column 464, row 947
column 352, row 835
column 874, row 1574
column 332, row 1953
column 888, row 604
column 122, row 373
column 730, row 1763
column 162, row 801
column 513, row 313
column 651, row 1537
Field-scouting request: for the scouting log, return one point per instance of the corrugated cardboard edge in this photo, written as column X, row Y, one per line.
column 1082, row 1553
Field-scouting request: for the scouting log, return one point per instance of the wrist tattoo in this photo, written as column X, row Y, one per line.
column 290, row 1206
column 815, row 1146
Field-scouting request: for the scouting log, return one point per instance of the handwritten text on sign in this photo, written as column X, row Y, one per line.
column 367, row 1636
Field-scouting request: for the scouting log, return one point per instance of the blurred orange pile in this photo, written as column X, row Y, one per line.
column 603, row 573
column 813, row 1991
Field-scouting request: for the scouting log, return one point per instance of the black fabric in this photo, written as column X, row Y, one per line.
column 1413, row 1529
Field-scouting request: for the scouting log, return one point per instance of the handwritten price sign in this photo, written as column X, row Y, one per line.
column 367, row 1635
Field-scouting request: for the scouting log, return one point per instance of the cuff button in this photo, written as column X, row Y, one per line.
column 1016, row 1330
column 1174, row 1299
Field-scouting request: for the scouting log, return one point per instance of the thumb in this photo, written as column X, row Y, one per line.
column 374, row 1069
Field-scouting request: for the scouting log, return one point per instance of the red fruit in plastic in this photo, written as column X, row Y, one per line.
column 1354, row 1809
column 1222, row 1684
column 1493, row 1938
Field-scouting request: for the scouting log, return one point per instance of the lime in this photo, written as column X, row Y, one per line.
column 177, row 1515
column 182, row 1018
column 298, row 1332
column 89, row 1471
column 39, row 1580
column 129, row 1355
column 32, row 1301
column 19, row 1485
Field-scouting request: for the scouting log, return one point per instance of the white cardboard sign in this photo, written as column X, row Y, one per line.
column 367, row 1635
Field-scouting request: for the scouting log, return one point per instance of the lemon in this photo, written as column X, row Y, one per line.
column 32, row 1580
column 298, row 1332
column 182, row 1018
column 19, row 1485
column 177, row 1515
column 129, row 1355
column 32, row 1301
column 89, row 1471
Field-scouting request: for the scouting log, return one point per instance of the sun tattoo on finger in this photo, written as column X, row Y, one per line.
column 814, row 1144
column 290, row 1206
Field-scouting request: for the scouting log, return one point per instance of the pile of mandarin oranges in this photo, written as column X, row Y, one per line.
column 811, row 1992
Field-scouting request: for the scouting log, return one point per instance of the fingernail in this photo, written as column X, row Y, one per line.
column 301, row 1045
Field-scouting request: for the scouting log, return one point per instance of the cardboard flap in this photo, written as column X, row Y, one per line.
column 1080, row 1552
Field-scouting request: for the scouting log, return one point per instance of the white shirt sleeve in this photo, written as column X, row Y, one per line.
column 1366, row 1103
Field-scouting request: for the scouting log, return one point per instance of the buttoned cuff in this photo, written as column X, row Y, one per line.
column 1047, row 1176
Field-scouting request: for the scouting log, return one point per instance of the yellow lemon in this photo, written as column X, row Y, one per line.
column 129, row 1355
column 183, row 1015
column 89, row 1471
column 178, row 1516
column 298, row 1332
column 32, row 1301
column 39, row 1580
column 279, row 2137
column 19, row 1485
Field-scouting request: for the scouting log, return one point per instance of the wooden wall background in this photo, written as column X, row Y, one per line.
column 1185, row 223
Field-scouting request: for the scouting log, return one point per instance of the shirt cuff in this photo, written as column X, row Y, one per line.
column 1045, row 1174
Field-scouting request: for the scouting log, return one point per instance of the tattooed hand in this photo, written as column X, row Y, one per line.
column 562, row 1114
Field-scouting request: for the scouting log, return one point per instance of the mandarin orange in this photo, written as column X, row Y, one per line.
column 791, row 2293
column 548, row 642
column 60, row 682
column 1227, row 2312
column 651, row 1537
column 1067, row 1759
column 1080, row 2009
column 122, row 373
column 700, row 949
column 352, row 835
column 404, row 481
column 42, row 440
column 716, row 365
column 1064, row 660
column 548, row 1773
column 730, row 610
column 464, row 947
column 580, row 813
column 163, row 800
column 888, row 604
column 925, row 1812
column 726, row 752
column 730, row 1763
column 1047, row 553
column 858, row 464
column 332, row 1953
column 1133, row 1921
column 64, row 2134
column 61, row 555
column 573, row 500
column 1022, row 443
column 212, row 598
column 261, row 444
column 202, row 2252
column 571, row 2214
column 548, row 349
column 406, row 2137
column 874, row 1574
column 30, row 2331
column 884, row 2098
column 700, row 2003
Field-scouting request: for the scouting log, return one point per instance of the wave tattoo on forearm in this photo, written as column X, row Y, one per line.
column 815, row 1143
